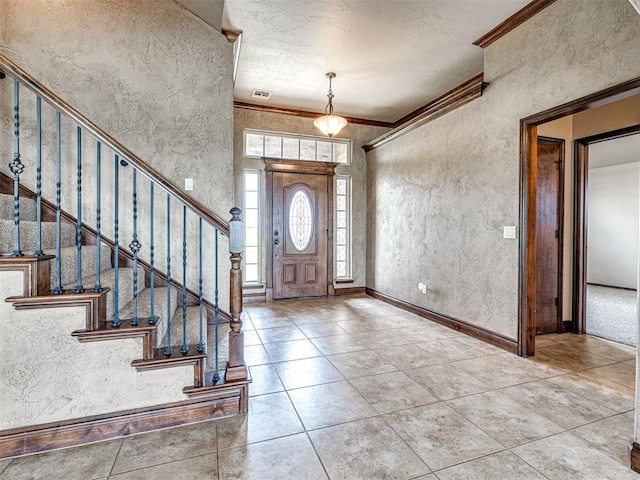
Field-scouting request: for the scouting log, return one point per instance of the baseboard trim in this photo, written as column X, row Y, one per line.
column 474, row 331
column 52, row 436
column 254, row 297
column 349, row 291
column 634, row 456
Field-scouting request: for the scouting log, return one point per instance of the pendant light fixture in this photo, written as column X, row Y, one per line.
column 330, row 124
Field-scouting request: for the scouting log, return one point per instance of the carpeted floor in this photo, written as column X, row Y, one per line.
column 611, row 314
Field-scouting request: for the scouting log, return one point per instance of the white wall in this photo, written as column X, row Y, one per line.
column 612, row 237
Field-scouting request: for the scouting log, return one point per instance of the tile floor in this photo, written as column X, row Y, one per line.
column 352, row 388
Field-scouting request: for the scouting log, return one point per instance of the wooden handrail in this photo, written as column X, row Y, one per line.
column 11, row 69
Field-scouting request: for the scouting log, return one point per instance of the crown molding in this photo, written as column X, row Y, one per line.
column 454, row 98
column 512, row 22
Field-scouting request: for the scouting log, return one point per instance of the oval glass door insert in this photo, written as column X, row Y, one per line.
column 300, row 220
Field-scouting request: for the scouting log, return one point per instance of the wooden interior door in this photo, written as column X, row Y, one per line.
column 549, row 213
column 299, row 234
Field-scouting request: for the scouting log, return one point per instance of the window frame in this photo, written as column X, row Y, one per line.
column 258, row 192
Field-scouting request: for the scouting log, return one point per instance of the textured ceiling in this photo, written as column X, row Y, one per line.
column 615, row 152
column 391, row 56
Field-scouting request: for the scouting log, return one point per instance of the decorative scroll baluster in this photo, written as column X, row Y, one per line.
column 152, row 318
column 168, row 350
column 98, row 288
column 185, row 348
column 17, row 167
column 58, row 288
column 79, row 288
column 38, row 251
column 116, row 322
column 216, row 310
column 200, row 343
column 135, row 247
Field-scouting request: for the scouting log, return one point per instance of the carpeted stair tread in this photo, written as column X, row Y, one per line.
column 27, row 208
column 28, row 236
column 68, row 263
column 160, row 308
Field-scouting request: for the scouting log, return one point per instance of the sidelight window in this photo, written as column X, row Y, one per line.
column 251, row 214
column 343, row 227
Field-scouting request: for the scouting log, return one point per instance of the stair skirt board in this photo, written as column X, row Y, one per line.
column 222, row 401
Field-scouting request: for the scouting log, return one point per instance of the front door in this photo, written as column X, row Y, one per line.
column 299, row 234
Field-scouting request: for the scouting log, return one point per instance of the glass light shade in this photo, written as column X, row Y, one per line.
column 330, row 124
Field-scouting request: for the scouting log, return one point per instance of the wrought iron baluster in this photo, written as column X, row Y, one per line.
column 216, row 309
column 201, row 346
column 116, row 322
column 79, row 288
column 38, row 251
column 58, row 288
column 135, row 247
column 152, row 318
column 168, row 350
column 17, row 167
column 185, row 348
column 98, row 288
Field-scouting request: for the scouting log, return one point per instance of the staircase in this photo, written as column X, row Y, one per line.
column 99, row 339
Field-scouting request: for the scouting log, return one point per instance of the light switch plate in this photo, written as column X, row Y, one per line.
column 509, row 232
column 188, row 184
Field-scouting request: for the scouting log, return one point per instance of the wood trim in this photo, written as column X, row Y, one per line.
column 307, row 114
column 107, row 140
column 634, row 456
column 512, row 22
column 231, row 34
column 35, row 272
column 229, row 400
column 454, row 98
column 254, row 298
column 299, row 166
column 526, row 270
column 349, row 291
column 143, row 330
column 474, row 331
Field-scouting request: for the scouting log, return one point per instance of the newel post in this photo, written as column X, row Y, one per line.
column 236, row 368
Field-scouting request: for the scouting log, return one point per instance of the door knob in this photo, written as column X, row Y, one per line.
column 276, row 241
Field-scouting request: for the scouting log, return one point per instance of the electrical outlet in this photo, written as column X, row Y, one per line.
column 188, row 184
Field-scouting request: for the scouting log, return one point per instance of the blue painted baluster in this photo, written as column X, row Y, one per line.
column 168, row 350
column 216, row 374
column 116, row 322
column 17, row 167
column 98, row 288
column 185, row 348
column 135, row 247
column 152, row 318
column 79, row 288
column 201, row 345
column 38, row 251
column 58, row 288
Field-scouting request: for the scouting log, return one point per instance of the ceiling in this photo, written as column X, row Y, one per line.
column 615, row 152
column 391, row 56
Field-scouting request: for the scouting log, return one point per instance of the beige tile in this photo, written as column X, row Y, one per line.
column 496, row 370
column 428, row 333
column 557, row 404
column 479, row 345
column 307, row 372
column 280, row 334
column 4, row 464
column 405, row 357
column 622, row 373
column 393, row 391
column 572, row 354
column 506, row 420
column 255, row 355
column 364, row 325
column 446, row 381
column 265, row 379
column 450, row 350
column 338, row 344
column 359, row 364
column 611, row 435
column 295, row 350
column 285, row 458
column 140, row 451
column 441, row 436
column 366, row 449
column 567, row 456
column 203, row 466
column 87, row 462
column 270, row 416
column 315, row 330
column 329, row 404
column 499, row 466
column 309, row 319
column 262, row 323
column 612, row 350
column 382, row 338
column 251, row 338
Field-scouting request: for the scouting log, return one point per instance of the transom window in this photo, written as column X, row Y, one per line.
column 259, row 144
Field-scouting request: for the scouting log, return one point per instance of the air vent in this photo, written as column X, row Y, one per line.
column 261, row 94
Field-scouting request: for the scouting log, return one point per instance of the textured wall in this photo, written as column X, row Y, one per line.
column 153, row 76
column 439, row 196
column 64, row 378
column 359, row 135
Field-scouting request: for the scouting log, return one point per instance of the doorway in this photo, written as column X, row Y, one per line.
column 299, row 221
